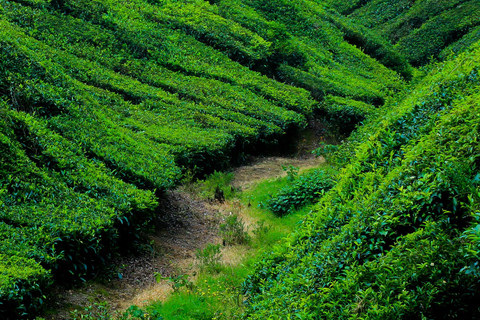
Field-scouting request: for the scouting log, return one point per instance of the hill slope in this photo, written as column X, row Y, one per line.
column 105, row 104
column 397, row 236
column 420, row 30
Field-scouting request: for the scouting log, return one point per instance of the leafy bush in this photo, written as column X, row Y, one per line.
column 303, row 190
column 261, row 229
column 22, row 286
column 439, row 32
column 343, row 115
column 396, row 237
column 177, row 282
column 213, row 183
column 420, row 30
column 103, row 104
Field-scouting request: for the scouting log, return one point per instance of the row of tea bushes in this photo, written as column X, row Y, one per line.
column 81, row 138
column 397, row 236
column 104, row 104
column 419, row 30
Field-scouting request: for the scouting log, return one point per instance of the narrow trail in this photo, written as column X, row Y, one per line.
column 186, row 225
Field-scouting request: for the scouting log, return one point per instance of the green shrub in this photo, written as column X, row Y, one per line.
column 395, row 237
column 439, row 32
column 209, row 258
column 261, row 229
column 343, row 115
column 420, row 30
column 22, row 286
column 233, row 230
column 303, row 190
column 104, row 103
column 177, row 282
column 462, row 45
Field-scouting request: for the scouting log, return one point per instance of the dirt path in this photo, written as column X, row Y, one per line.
column 186, row 225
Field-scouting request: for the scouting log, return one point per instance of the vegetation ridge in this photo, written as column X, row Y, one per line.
column 105, row 105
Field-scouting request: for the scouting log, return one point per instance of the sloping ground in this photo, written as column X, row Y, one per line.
column 188, row 223
column 104, row 104
column 398, row 236
column 420, row 30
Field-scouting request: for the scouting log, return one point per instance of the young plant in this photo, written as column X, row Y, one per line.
column 261, row 229
column 178, row 282
column 292, row 172
column 209, row 258
column 234, row 231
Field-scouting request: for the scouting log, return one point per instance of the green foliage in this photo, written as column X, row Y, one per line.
column 343, row 115
column 209, row 258
column 22, row 285
column 396, row 237
column 103, row 311
column 177, row 282
column 302, row 190
column 233, row 230
column 462, row 45
column 187, row 306
column 103, row 104
column 217, row 295
column 217, row 181
column 291, row 171
column 420, row 29
column 439, row 32
column 261, row 229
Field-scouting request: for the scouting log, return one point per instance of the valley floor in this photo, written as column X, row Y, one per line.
column 187, row 224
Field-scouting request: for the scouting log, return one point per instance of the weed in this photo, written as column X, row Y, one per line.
column 292, row 172
column 178, row 282
column 102, row 311
column 216, row 183
column 209, row 258
column 234, row 231
column 95, row 311
column 261, row 229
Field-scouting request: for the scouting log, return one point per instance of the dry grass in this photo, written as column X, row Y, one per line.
column 159, row 291
column 234, row 255
column 270, row 168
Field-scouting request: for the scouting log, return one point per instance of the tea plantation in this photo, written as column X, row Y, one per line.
column 105, row 105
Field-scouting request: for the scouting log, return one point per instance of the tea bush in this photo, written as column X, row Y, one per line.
column 305, row 189
column 396, row 237
column 420, row 30
column 105, row 105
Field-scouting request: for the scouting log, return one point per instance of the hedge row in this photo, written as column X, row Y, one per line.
column 22, row 282
column 315, row 33
column 420, row 30
column 103, row 104
column 87, row 122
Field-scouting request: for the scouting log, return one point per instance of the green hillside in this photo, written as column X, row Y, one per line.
column 105, row 105
column 419, row 30
column 397, row 237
